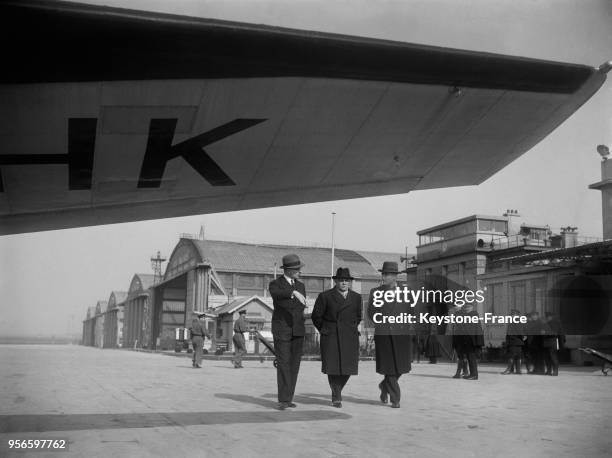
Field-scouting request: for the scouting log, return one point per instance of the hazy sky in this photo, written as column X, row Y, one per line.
column 48, row 279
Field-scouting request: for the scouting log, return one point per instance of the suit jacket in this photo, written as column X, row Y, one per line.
column 288, row 315
column 337, row 319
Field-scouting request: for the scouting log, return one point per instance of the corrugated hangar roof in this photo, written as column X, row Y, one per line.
column 260, row 258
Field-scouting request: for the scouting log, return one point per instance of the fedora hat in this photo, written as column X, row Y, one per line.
column 292, row 261
column 389, row 267
column 241, row 312
column 343, row 272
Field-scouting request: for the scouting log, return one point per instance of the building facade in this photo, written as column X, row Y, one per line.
column 137, row 312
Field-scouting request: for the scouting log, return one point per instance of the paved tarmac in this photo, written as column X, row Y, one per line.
column 122, row 403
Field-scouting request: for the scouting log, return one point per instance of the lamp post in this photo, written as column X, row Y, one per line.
column 331, row 281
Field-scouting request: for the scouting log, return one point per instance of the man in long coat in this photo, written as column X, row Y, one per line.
column 515, row 340
column 553, row 341
column 337, row 314
column 288, row 330
column 393, row 342
column 469, row 339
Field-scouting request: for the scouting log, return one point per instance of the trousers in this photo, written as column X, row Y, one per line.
column 288, row 359
column 336, row 383
column 390, row 385
column 239, row 349
column 198, row 345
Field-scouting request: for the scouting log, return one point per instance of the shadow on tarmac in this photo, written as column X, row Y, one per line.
column 76, row 422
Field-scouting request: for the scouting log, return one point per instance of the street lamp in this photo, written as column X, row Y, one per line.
column 603, row 151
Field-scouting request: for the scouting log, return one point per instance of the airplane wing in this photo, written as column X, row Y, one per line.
column 111, row 115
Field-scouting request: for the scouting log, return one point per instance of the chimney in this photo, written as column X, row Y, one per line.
column 569, row 237
column 514, row 227
column 605, row 186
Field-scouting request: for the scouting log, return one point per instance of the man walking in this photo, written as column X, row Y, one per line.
column 515, row 340
column 470, row 340
column 240, row 327
column 198, row 331
column 336, row 315
column 289, row 298
column 393, row 342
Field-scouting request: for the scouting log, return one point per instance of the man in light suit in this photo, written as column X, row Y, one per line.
column 289, row 298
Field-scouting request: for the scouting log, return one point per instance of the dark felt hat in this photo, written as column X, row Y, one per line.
column 389, row 267
column 343, row 273
column 292, row 261
column 242, row 311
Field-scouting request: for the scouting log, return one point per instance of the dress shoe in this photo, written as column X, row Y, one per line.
column 395, row 405
column 457, row 375
column 506, row 372
column 291, row 404
column 470, row 377
column 336, row 404
column 383, row 394
column 282, row 405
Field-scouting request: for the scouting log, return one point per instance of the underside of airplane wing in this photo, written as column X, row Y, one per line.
column 110, row 115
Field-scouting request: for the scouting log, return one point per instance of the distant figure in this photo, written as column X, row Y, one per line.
column 553, row 341
column 240, row 327
column 515, row 339
column 393, row 343
column 336, row 315
column 289, row 298
column 198, row 331
column 432, row 345
column 470, row 340
column 459, row 347
column 535, row 330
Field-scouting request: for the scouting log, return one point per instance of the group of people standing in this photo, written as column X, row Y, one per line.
column 536, row 343
column 337, row 314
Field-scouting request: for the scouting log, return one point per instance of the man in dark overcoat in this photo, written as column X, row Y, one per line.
column 553, row 341
column 515, row 340
column 288, row 330
column 336, row 315
column 469, row 339
column 535, row 330
column 393, row 342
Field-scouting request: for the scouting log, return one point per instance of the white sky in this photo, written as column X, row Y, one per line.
column 47, row 280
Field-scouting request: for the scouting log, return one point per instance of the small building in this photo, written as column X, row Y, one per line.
column 258, row 317
column 113, row 320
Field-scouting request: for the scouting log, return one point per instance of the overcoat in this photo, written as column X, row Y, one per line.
column 288, row 314
column 393, row 342
column 468, row 336
column 337, row 320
